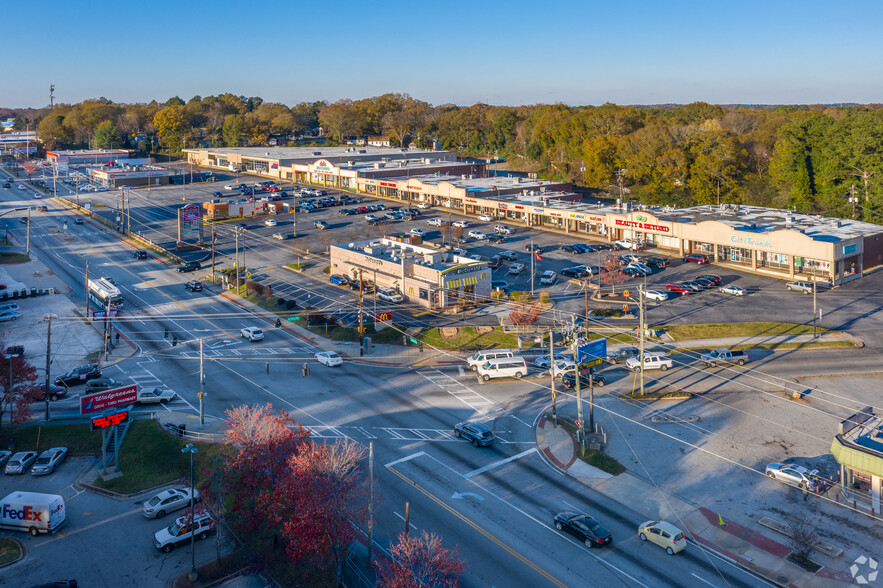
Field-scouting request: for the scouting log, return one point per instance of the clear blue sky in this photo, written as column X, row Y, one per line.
column 574, row 52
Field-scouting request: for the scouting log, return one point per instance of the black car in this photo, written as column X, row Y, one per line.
column 569, row 380
column 190, row 266
column 634, row 272
column 193, row 286
column 716, row 280
column 705, row 283
column 622, row 354
column 658, row 262
column 320, row 224
column 79, row 375
column 578, row 271
column 140, row 254
column 533, row 247
column 571, row 249
column 100, row 385
column 604, row 246
column 478, row 433
column 55, row 392
column 584, row 528
column 496, row 239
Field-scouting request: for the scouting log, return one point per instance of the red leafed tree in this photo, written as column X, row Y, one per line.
column 611, row 274
column 420, row 561
column 18, row 388
column 525, row 313
column 322, row 503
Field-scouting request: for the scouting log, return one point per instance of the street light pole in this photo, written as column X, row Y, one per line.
column 191, row 450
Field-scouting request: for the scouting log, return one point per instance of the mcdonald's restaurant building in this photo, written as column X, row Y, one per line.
column 426, row 276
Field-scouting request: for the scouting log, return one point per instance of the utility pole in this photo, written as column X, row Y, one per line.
column 106, row 328
column 201, row 386
column 370, row 501
column 213, row 253
column 294, row 216
column 581, row 431
column 815, row 311
column 552, row 377
column 236, row 260
column 533, row 255
column 28, row 247
column 361, row 339
column 375, row 294
column 87, row 287
column 641, row 333
column 48, row 351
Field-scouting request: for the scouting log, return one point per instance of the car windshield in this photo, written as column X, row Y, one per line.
column 175, row 529
column 42, row 461
column 153, row 501
column 598, row 529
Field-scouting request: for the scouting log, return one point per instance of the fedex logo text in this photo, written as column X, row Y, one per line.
column 24, row 514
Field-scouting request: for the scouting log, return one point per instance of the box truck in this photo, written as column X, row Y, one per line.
column 32, row 512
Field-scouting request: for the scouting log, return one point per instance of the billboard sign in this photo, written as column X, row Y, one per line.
column 108, row 399
column 591, row 351
column 109, row 420
column 190, row 222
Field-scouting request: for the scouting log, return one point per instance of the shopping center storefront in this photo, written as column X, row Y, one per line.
column 858, row 448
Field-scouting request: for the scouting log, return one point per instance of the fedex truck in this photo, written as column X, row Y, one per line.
column 32, row 512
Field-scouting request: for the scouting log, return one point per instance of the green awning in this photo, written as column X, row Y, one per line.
column 857, row 458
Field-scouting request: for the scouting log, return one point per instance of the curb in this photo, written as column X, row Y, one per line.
column 22, row 552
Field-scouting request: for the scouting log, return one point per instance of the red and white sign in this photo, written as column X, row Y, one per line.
column 382, row 317
column 388, row 185
column 108, row 399
column 639, row 225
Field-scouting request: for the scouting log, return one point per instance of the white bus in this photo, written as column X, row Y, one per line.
column 102, row 291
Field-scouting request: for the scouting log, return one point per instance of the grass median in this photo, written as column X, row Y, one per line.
column 715, row 330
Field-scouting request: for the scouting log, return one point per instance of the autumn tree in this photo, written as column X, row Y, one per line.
column 417, row 562
column 171, row 126
column 18, row 388
column 611, row 274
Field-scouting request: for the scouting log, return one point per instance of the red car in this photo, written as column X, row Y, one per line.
column 679, row 288
column 695, row 258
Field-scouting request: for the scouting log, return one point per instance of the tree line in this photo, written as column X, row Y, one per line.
column 817, row 159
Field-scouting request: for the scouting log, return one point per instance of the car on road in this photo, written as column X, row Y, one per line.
column 733, row 290
column 100, row 385
column 679, row 288
column 78, row 220
column 479, row 434
column 390, row 295
column 715, row 279
column 805, row 287
column 652, row 361
column 656, row 295
column 515, row 269
column 417, row 232
column 270, row 222
column 563, row 366
column 569, row 379
column 155, row 396
column 329, row 358
column 696, row 258
column 664, row 535
column 321, row 225
column 584, row 528
column 477, row 235
column 20, row 462
column 55, row 392
column 435, row 222
column 190, row 266
column 140, row 254
column 168, row 501
column 193, row 286
column 486, row 218
column 461, row 224
column 78, row 375
column 180, row 531
column 252, row 333
column 543, row 361
column 339, row 280
column 509, row 255
column 548, row 278
column 48, row 461
column 282, row 236
column 794, row 474
column 423, row 205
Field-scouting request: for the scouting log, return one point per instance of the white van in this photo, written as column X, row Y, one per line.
column 510, row 367
column 482, row 357
column 32, row 512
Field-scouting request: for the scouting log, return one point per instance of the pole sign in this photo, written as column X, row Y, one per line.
column 109, row 420
column 592, row 351
column 381, row 317
column 108, row 399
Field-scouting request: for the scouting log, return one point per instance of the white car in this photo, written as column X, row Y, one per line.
column 37, row 196
column 543, row 361
column 794, row 474
column 640, row 267
column 390, row 295
column 230, row 187
column 252, row 333
column 20, row 462
column 515, row 269
column 180, row 532
column 435, row 222
column 486, row 217
column 423, row 205
column 155, row 396
column 563, row 366
column 270, row 222
column 329, row 358
column 460, row 224
column 548, row 278
column 656, row 295
column 734, row 290
column 652, row 361
column 626, row 244
column 477, row 235
column 417, row 232
column 168, row 501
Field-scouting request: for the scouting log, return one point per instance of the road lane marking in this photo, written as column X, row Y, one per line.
column 499, row 463
column 60, row 535
column 404, row 459
column 403, row 519
column 701, row 579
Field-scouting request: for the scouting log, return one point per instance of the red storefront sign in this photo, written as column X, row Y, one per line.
column 644, row 226
column 108, row 399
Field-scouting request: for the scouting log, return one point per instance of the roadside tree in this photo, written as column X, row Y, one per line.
column 420, row 561
column 611, row 275
column 18, row 388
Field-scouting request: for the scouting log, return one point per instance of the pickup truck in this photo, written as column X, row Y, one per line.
column 722, row 356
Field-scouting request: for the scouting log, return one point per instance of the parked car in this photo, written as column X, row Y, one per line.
column 78, row 375
column 628, row 244
column 390, row 295
column 693, row 285
column 460, row 224
column 577, row 271
column 48, row 461
column 339, row 280
column 55, row 392
column 716, row 280
column 417, row 232
column 734, row 290
column 270, row 222
column 180, row 531
column 696, row 258
column 634, row 272
column 794, row 474
column 501, row 285
column 584, row 528
column 496, row 239
column 544, row 362
column 664, row 535
column 571, row 249
column 423, row 205
column 657, row 262
column 533, row 248
column 20, row 462
column 4, row 457
column 509, row 255
column 679, row 288
column 168, row 501
column 724, row 356
column 252, row 333
column 651, row 361
column 193, row 286
column 515, row 269
column 155, row 396
column 486, row 218
column 503, row 229
column 656, row 295
column 100, row 385
column 321, row 225
column 8, row 315
column 479, row 434
column 805, row 287
column 548, row 278
column 478, row 235
column 329, row 358
column 435, row 222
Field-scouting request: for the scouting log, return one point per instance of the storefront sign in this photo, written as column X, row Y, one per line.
column 519, row 208
column 641, row 225
column 108, row 399
column 741, row 240
column 470, row 201
column 503, row 206
column 415, row 187
column 552, row 213
column 847, row 249
column 538, row 210
column 597, row 219
column 323, row 166
column 574, row 215
column 387, row 184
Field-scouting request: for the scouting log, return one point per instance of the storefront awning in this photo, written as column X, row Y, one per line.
column 857, row 459
column 464, row 282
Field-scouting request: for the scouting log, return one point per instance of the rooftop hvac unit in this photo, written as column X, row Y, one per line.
column 379, row 164
column 351, row 163
column 838, row 223
column 317, row 153
column 362, row 151
column 384, row 159
column 789, row 220
column 516, row 180
column 463, row 177
column 267, row 153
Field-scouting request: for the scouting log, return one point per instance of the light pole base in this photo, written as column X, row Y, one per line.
column 193, row 575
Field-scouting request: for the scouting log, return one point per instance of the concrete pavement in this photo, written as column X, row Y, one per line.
column 752, row 550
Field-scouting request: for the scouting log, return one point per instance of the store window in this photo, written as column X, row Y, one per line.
column 734, row 254
column 424, row 294
column 700, row 247
column 816, row 267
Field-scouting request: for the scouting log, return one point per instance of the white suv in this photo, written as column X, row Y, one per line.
column 180, row 531
column 477, row 235
column 652, row 361
column 389, row 295
column 502, row 230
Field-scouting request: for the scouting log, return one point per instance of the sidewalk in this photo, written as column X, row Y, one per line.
column 747, row 548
